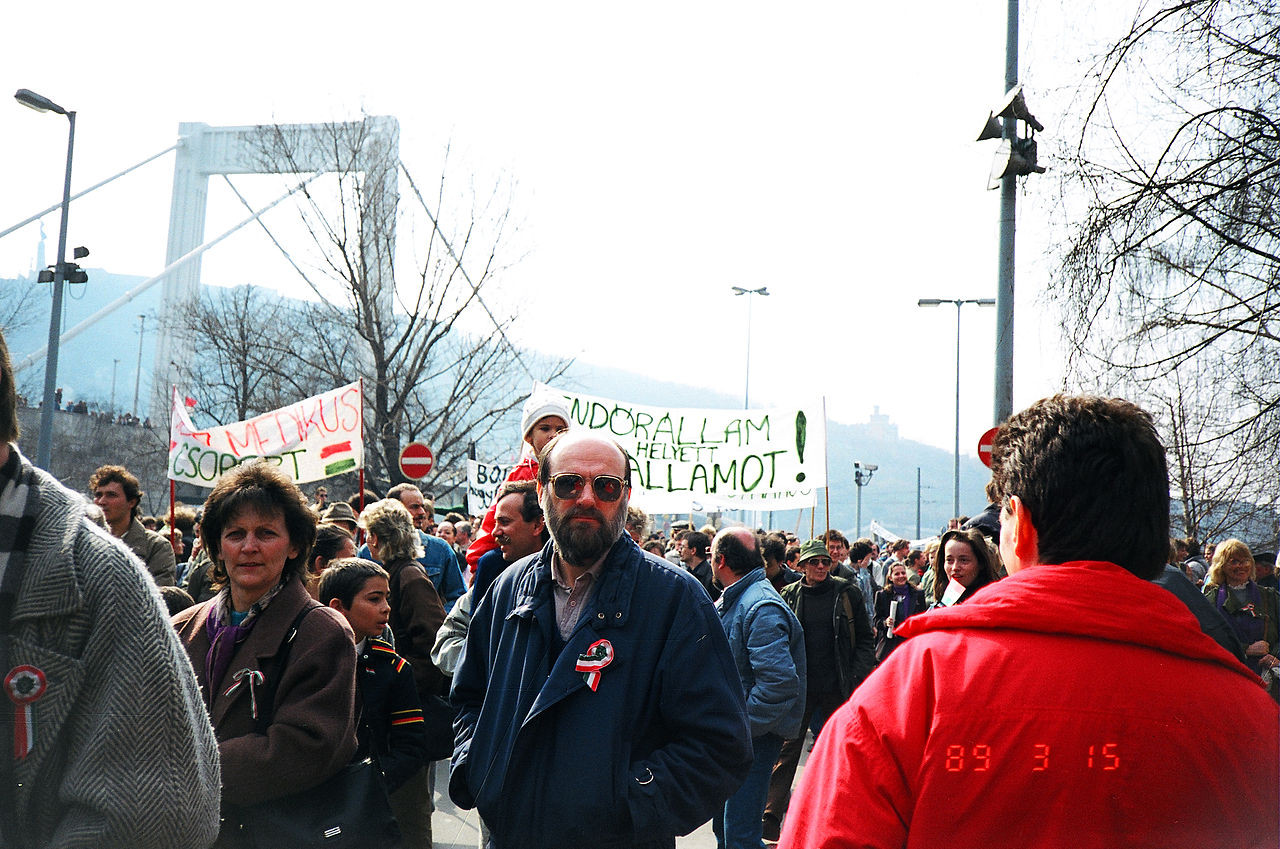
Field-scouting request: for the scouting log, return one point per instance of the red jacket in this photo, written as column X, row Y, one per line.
column 1071, row 705
column 525, row 470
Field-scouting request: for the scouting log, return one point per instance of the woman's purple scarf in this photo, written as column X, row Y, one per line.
column 223, row 639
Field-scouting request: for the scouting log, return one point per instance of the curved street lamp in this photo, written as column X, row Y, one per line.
column 44, row 448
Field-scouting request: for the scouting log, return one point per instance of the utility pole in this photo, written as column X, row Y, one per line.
column 137, row 375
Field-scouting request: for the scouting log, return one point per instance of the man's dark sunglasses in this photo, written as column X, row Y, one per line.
column 570, row 485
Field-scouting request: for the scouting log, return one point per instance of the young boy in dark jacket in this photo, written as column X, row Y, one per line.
column 390, row 727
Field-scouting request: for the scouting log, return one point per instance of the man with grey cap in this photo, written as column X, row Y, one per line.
column 545, row 414
column 839, row 653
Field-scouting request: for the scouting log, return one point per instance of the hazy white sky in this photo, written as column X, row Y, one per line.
column 658, row 154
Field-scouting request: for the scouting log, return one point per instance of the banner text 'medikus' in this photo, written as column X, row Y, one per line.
column 315, row 438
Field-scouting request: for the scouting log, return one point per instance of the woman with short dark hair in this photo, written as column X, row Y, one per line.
column 258, row 530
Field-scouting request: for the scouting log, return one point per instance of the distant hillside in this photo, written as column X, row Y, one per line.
column 86, row 367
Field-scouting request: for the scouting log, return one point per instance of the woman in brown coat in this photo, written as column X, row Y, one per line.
column 258, row 530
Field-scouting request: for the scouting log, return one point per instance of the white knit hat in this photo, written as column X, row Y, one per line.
column 540, row 405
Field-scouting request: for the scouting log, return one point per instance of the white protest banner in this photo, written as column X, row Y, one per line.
column 703, row 459
column 483, row 480
column 313, row 439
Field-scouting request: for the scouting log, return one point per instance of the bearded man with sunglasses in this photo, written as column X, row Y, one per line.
column 598, row 702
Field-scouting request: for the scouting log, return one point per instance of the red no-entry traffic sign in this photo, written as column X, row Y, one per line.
column 415, row 461
column 984, row 446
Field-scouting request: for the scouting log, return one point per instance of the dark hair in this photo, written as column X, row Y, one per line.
column 1092, row 473
column 833, row 534
column 128, row 484
column 899, row 544
column 8, row 396
column 698, row 541
column 176, row 599
column 651, row 545
column 858, row 550
column 530, row 509
column 738, row 556
column 263, row 488
column 793, row 551
column 981, row 552
column 345, row 577
column 774, row 547
column 329, row 540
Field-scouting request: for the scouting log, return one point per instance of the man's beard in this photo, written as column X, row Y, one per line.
column 578, row 544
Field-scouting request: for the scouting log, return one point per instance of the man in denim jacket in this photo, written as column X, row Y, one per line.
column 768, row 648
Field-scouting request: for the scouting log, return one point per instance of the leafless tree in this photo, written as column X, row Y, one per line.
column 246, row 359
column 1170, row 280
column 433, row 353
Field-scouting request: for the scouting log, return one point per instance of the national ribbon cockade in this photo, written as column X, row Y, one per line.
column 597, row 656
column 24, row 684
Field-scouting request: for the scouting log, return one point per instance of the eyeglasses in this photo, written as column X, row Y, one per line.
column 570, row 485
column 818, row 561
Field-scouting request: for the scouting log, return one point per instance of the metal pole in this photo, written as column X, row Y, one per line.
column 115, row 364
column 859, row 485
column 44, row 448
column 917, row 502
column 1008, row 226
column 137, row 375
column 746, row 390
column 955, row 510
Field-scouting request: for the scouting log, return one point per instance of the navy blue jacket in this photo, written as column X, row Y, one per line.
column 652, row 753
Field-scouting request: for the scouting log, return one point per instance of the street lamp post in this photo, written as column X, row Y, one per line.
column 862, row 473
column 44, row 448
column 738, row 290
column 959, row 302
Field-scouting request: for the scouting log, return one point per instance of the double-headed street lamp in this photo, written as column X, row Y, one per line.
column 959, row 302
column 44, row 448
column 738, row 290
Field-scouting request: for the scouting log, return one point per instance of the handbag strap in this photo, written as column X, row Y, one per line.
column 282, row 659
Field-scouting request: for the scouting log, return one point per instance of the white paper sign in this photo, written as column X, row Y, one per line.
column 707, row 459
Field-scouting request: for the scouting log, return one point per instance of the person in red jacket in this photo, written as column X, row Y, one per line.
column 1074, row 703
column 545, row 415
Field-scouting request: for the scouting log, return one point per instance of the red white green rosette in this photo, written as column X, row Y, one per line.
column 597, row 656
column 24, row 684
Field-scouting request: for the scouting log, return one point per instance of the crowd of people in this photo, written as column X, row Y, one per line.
column 598, row 681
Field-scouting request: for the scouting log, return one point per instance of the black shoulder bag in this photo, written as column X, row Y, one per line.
column 348, row 810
